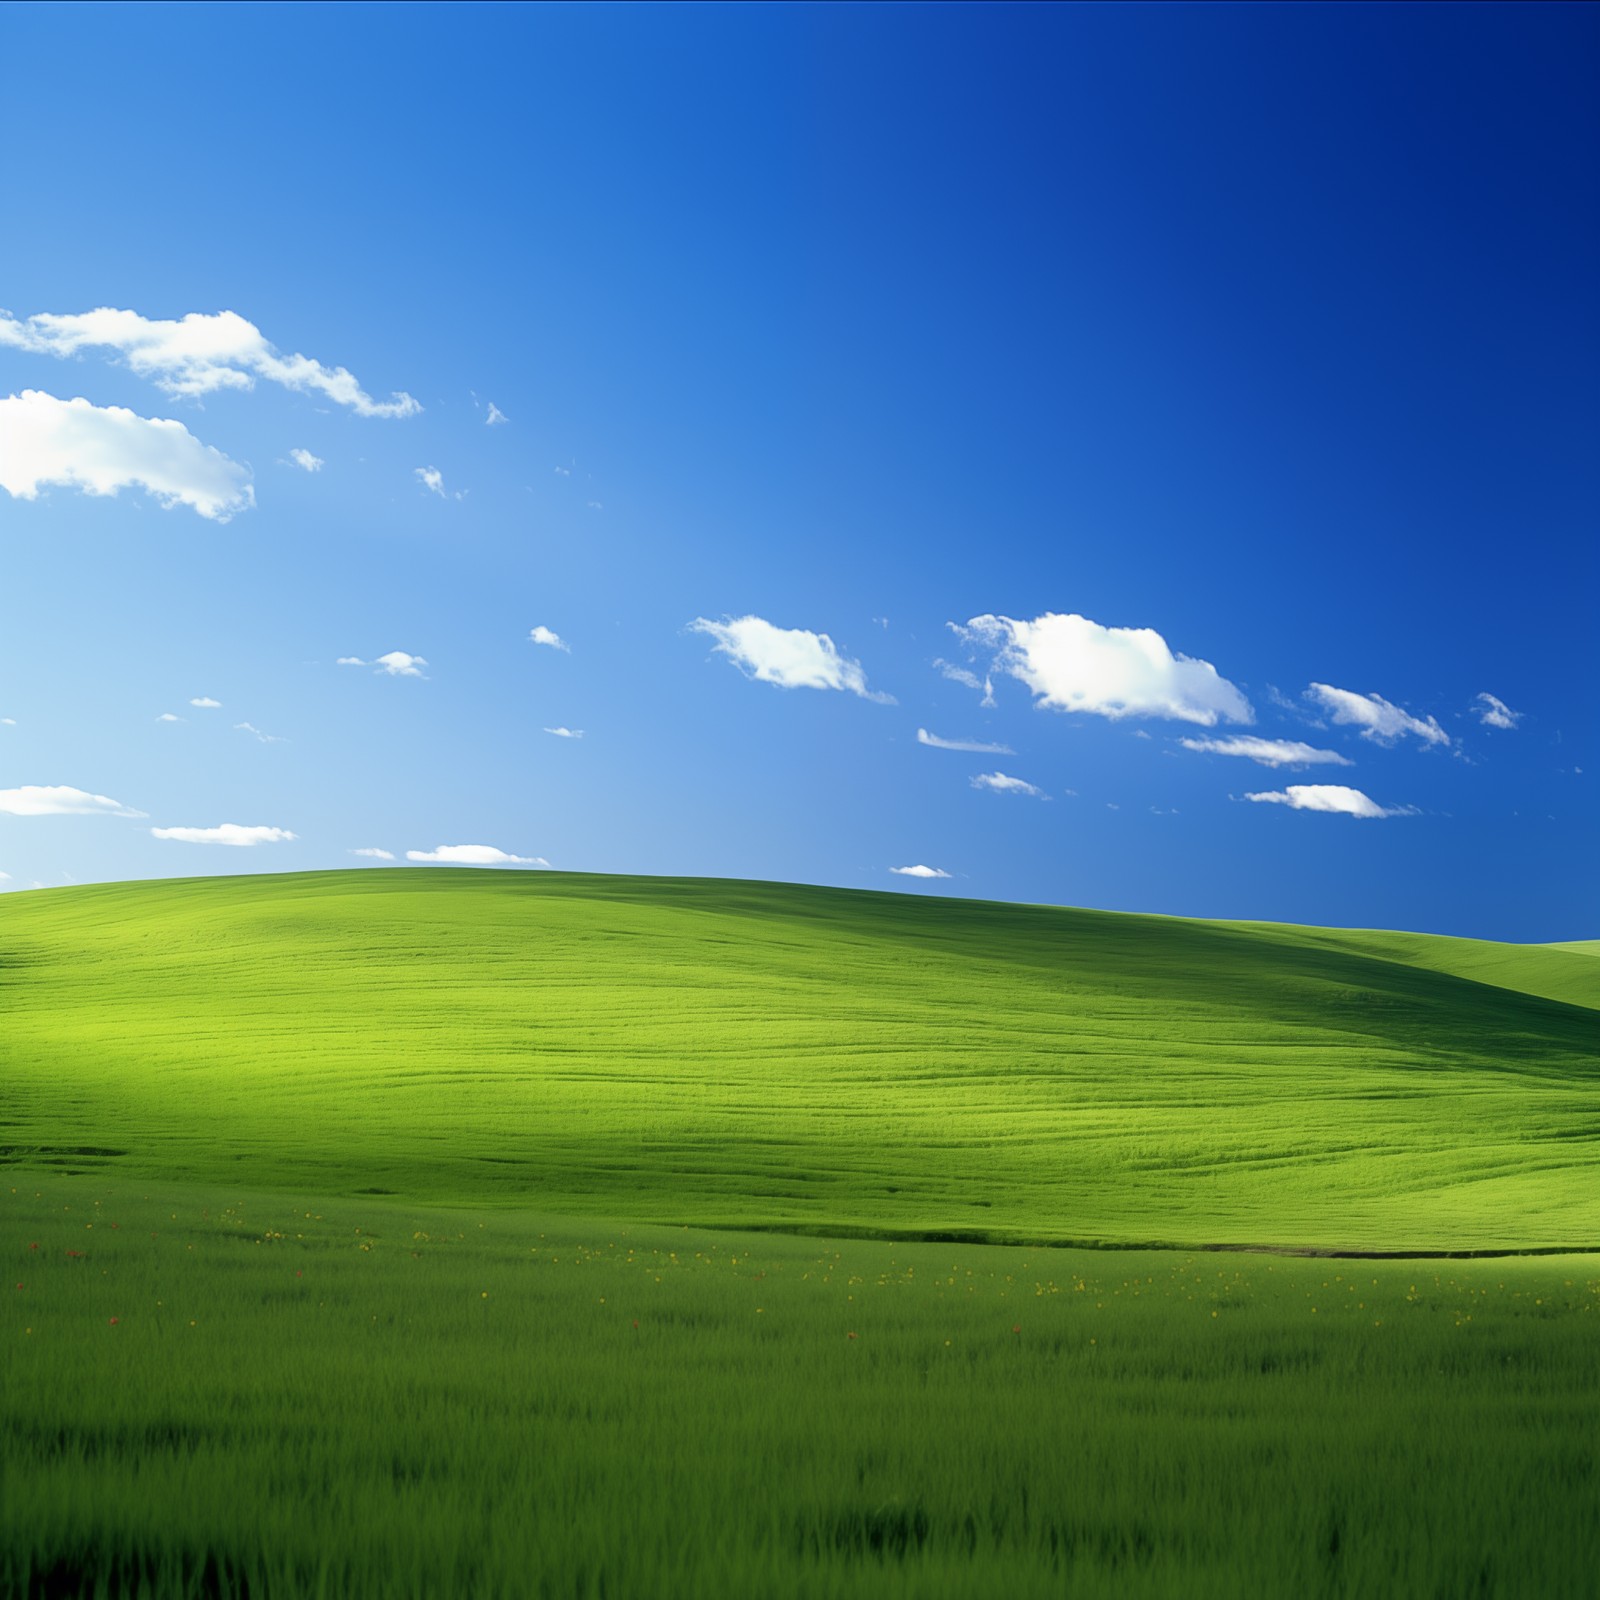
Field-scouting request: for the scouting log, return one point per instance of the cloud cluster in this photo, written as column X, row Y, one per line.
column 474, row 855
column 1377, row 718
column 60, row 800
column 195, row 355
column 1493, row 712
column 45, row 441
column 974, row 746
column 396, row 664
column 1074, row 664
column 306, row 461
column 792, row 658
column 1003, row 783
column 1269, row 752
column 920, row 872
column 229, row 833
column 1333, row 797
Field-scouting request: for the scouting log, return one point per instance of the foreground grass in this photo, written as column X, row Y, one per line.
column 765, row 1055
column 222, row 1392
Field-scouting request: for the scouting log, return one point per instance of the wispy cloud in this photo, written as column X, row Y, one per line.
column 99, row 450
column 1377, row 718
column 966, row 678
column 474, row 855
column 1003, row 783
column 792, row 658
column 167, row 716
column 1073, row 664
column 206, row 703
column 60, row 800
column 229, row 833
column 1269, row 752
column 373, row 853
column 973, row 746
column 265, row 738
column 1493, row 712
column 566, row 733
column 547, row 636
column 431, row 478
column 920, row 872
column 306, row 461
column 396, row 664
column 496, row 416
column 1330, row 797
column 195, row 355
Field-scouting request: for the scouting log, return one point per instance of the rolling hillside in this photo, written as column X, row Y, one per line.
column 764, row 1055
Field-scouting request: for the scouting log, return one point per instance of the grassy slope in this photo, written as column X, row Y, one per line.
column 769, row 1055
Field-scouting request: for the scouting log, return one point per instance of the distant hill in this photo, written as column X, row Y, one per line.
column 779, row 1056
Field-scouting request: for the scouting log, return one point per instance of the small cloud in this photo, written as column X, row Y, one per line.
column 306, row 461
column 1329, row 797
column 432, row 478
column 496, row 416
column 373, row 853
column 1074, row 664
column 349, row 661
column 206, row 703
column 792, row 658
column 1269, row 752
column 1493, row 712
column 60, row 800
column 1002, row 783
column 474, row 855
column 265, row 738
column 229, row 833
column 960, row 675
column 167, row 716
column 973, row 746
column 547, row 636
column 920, row 872
column 563, row 472
column 1378, row 719
column 8, row 722
column 594, row 505
column 566, row 733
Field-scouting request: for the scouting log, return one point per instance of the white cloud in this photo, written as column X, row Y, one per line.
column 544, row 635
column 1269, row 752
column 231, row 833
column 1493, row 712
column 397, row 664
column 920, row 872
column 101, row 449
column 432, row 478
column 495, row 417
column 792, row 658
column 566, row 733
column 167, row 716
column 1073, row 664
column 475, row 855
column 59, row 800
column 199, row 354
column 1001, row 783
column 265, row 738
column 206, row 703
column 966, row 678
column 1376, row 717
column 8, row 722
column 563, row 472
column 975, row 746
column 1334, row 797
column 374, row 854
column 306, row 461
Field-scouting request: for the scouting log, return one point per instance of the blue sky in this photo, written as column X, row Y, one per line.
column 1184, row 359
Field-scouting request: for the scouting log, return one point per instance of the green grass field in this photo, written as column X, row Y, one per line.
column 441, row 1233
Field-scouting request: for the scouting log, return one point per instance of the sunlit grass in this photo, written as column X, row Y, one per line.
column 247, row 1393
column 765, row 1055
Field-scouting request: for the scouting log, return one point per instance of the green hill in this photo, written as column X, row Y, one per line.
column 767, row 1055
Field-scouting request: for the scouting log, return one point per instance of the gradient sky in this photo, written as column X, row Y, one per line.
column 749, row 349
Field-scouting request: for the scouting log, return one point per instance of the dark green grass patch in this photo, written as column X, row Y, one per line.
column 766, row 1055
column 220, row 1393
